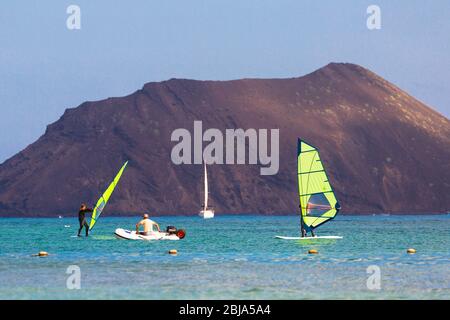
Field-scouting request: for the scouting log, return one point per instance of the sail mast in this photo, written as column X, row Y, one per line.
column 298, row 177
column 206, row 188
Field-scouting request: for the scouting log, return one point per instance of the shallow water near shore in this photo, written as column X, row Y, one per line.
column 228, row 257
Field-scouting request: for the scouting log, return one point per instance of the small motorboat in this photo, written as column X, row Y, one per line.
column 171, row 233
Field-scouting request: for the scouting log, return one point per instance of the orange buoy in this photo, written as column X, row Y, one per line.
column 411, row 251
column 42, row 254
column 313, row 251
column 173, row 251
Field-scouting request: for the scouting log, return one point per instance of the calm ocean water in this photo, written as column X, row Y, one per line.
column 229, row 257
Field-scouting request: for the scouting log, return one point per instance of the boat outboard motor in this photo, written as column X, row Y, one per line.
column 181, row 233
column 171, row 230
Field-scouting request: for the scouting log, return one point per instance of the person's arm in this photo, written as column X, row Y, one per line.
column 137, row 226
column 157, row 226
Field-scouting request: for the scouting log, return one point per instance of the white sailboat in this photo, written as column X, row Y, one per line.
column 205, row 212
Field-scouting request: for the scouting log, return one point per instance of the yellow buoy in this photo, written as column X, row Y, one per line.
column 42, row 254
column 173, row 251
column 313, row 251
column 411, row 250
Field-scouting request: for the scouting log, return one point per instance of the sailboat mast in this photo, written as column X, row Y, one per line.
column 206, row 188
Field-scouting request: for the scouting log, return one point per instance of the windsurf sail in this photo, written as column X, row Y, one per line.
column 101, row 203
column 318, row 202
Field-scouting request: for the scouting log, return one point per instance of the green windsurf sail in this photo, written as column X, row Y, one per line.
column 101, row 203
column 318, row 202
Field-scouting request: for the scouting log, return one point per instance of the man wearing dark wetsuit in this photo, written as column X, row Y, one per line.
column 302, row 225
column 82, row 219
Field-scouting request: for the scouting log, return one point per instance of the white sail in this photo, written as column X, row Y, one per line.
column 206, row 189
column 206, row 213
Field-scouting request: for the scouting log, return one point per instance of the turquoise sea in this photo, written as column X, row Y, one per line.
column 229, row 257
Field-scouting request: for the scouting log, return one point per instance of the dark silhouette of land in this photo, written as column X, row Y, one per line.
column 384, row 150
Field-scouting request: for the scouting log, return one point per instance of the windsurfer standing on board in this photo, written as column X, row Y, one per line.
column 304, row 233
column 82, row 219
column 148, row 225
column 309, row 206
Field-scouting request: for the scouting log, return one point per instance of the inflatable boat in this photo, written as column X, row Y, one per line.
column 170, row 234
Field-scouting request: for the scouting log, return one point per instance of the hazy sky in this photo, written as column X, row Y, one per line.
column 46, row 68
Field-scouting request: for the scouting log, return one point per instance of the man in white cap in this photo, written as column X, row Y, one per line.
column 148, row 226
